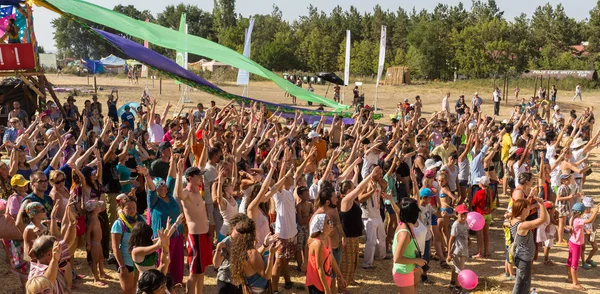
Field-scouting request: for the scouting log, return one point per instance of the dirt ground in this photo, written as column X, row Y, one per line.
column 547, row 279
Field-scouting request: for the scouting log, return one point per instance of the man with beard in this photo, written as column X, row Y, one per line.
column 327, row 203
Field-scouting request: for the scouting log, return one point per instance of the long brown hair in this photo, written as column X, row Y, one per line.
column 240, row 245
column 518, row 206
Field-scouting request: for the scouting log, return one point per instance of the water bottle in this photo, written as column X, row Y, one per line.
column 534, row 291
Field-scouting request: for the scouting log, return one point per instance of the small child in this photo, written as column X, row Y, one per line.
column 482, row 203
column 304, row 210
column 458, row 245
column 425, row 216
column 547, row 231
column 563, row 205
column 590, row 235
column 509, row 272
column 576, row 242
column 94, row 240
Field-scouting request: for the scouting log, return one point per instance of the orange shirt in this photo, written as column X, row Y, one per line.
column 321, row 150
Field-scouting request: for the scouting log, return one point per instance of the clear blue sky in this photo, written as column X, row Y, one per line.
column 578, row 9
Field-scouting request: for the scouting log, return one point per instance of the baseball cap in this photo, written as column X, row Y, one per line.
column 313, row 134
column 556, row 107
column 588, row 202
column 158, row 182
column 484, row 181
column 425, row 192
column 18, row 181
column 565, row 176
column 578, row 207
column 461, row 209
column 164, row 145
column 193, row 171
column 520, row 151
column 548, row 204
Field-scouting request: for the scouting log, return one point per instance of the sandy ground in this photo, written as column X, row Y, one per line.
column 547, row 279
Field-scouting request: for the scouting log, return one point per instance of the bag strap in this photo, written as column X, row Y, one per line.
column 412, row 236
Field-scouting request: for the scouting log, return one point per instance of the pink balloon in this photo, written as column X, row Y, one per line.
column 475, row 221
column 468, row 279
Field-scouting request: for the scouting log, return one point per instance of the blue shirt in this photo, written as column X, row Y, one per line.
column 124, row 175
column 119, row 228
column 11, row 135
column 128, row 117
column 160, row 209
column 477, row 170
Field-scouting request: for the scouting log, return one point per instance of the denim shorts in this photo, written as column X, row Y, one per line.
column 337, row 254
column 434, row 220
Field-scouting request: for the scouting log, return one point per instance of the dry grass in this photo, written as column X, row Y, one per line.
column 548, row 279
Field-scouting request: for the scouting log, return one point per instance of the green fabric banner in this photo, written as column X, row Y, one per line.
column 172, row 39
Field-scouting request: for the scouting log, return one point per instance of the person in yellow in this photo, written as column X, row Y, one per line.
column 445, row 149
column 506, row 144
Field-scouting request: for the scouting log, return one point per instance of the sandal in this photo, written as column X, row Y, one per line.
column 578, row 287
column 444, row 265
column 592, row 263
column 101, row 284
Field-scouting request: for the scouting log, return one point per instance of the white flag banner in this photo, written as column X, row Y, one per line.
column 144, row 67
column 381, row 54
column 347, row 61
column 243, row 77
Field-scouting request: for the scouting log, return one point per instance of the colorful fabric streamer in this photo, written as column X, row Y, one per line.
column 169, row 67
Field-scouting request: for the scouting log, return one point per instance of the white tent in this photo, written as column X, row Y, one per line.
column 212, row 65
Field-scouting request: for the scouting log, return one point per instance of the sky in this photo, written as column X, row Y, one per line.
column 578, row 9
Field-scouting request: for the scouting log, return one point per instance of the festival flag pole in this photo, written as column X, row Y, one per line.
column 144, row 67
column 382, row 43
column 243, row 77
column 346, row 65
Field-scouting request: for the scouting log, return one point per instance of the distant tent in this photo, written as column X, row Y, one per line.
column 212, row 65
column 113, row 61
column 93, row 66
column 113, row 64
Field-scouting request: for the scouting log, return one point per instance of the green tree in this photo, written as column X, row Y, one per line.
column 364, row 57
column 73, row 40
column 224, row 17
column 199, row 24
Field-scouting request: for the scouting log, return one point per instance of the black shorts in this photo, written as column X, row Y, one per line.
column 228, row 288
column 129, row 268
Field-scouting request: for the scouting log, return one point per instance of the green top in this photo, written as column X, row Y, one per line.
column 409, row 252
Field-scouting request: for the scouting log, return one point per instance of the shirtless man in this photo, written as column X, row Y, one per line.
column 194, row 209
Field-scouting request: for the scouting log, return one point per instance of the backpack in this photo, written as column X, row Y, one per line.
column 512, row 248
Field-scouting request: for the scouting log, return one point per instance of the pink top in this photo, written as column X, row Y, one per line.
column 312, row 274
column 14, row 204
column 577, row 236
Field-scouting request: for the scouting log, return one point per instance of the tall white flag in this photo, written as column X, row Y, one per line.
column 381, row 54
column 347, row 62
column 243, row 77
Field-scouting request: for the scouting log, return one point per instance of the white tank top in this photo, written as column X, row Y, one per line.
column 156, row 133
column 230, row 211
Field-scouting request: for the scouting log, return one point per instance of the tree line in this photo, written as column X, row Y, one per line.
column 449, row 40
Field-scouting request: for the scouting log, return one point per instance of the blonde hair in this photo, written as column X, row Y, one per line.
column 38, row 284
column 55, row 173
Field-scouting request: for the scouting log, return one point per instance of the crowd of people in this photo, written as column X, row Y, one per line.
column 242, row 190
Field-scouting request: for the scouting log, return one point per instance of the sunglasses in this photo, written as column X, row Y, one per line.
column 60, row 181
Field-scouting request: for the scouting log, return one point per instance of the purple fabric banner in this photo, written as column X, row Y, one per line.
column 144, row 55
